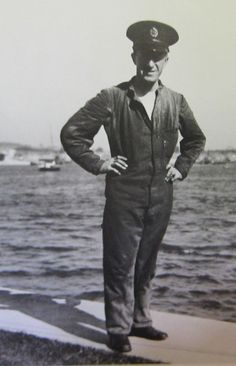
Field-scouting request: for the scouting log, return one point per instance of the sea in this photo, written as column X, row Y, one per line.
column 51, row 238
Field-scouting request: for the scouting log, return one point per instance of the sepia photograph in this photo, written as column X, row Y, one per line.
column 117, row 182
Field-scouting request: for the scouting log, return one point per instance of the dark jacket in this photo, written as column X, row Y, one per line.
column 147, row 144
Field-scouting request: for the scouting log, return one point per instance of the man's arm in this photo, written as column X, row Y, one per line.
column 78, row 133
column 193, row 141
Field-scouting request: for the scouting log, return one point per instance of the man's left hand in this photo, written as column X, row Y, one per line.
column 173, row 174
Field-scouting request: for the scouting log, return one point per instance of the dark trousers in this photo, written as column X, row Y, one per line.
column 132, row 235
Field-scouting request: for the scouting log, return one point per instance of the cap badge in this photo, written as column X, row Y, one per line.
column 153, row 32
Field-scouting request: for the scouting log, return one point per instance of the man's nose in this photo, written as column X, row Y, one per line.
column 151, row 62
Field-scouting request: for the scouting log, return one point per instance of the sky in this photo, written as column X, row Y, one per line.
column 57, row 54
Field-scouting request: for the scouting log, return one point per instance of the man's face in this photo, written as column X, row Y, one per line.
column 149, row 64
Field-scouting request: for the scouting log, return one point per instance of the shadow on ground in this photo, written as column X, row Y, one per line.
column 63, row 316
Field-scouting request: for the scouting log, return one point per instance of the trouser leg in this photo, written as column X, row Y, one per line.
column 122, row 231
column 131, row 239
column 155, row 224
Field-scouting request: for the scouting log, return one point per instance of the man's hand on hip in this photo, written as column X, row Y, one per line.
column 173, row 174
column 117, row 164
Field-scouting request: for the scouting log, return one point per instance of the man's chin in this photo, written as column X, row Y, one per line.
column 150, row 78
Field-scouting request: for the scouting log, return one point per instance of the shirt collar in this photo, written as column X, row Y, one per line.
column 131, row 91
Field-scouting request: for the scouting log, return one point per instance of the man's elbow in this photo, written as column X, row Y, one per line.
column 200, row 140
column 66, row 136
column 63, row 136
column 203, row 140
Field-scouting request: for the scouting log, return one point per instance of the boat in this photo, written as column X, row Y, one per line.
column 48, row 165
column 9, row 158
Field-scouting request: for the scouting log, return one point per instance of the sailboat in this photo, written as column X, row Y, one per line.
column 48, row 165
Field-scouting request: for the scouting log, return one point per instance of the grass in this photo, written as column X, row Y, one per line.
column 19, row 349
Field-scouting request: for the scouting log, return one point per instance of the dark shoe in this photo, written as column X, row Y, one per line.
column 149, row 333
column 119, row 342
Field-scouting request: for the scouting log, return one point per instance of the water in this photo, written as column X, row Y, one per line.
column 51, row 240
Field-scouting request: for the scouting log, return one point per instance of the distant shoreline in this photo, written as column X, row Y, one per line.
column 31, row 154
column 217, row 157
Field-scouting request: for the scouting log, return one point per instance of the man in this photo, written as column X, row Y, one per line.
column 141, row 118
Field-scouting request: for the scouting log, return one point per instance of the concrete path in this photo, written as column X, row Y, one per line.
column 191, row 340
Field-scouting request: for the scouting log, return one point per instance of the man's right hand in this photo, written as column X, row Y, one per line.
column 117, row 164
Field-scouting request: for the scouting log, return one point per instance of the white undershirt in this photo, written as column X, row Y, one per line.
column 148, row 101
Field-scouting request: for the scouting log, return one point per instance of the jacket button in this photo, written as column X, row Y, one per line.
column 150, row 168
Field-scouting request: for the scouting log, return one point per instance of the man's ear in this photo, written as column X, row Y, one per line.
column 165, row 59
